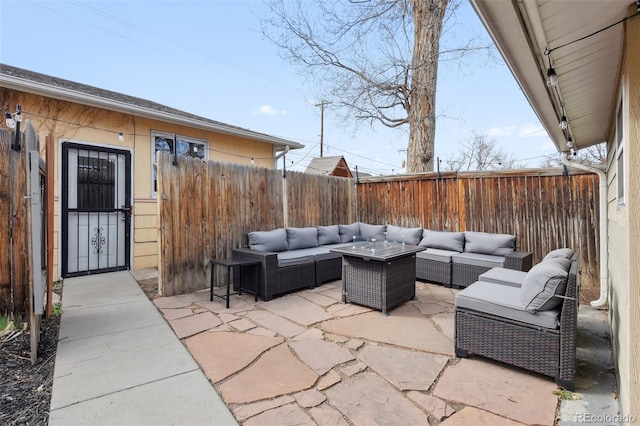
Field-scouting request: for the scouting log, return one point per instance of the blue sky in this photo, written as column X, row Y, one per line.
column 210, row 58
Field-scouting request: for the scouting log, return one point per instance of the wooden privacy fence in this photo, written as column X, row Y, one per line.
column 23, row 226
column 14, row 273
column 543, row 208
column 206, row 208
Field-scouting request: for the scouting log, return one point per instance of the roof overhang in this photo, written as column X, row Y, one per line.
column 588, row 70
column 70, row 95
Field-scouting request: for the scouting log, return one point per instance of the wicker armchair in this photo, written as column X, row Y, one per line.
column 548, row 351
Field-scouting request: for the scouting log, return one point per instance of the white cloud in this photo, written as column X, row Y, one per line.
column 269, row 110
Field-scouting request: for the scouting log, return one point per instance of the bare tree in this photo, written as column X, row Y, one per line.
column 595, row 155
column 481, row 153
column 378, row 59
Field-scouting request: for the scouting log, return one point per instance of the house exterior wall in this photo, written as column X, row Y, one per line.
column 624, row 232
column 68, row 121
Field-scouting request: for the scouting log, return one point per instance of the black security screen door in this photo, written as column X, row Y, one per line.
column 96, row 209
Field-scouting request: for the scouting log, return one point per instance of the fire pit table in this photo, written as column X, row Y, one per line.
column 378, row 274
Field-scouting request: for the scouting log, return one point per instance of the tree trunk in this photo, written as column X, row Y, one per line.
column 427, row 19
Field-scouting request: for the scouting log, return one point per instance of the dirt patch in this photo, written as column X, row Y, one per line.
column 150, row 287
column 25, row 389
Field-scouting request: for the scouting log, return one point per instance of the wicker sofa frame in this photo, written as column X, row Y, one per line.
column 551, row 352
column 462, row 275
column 276, row 279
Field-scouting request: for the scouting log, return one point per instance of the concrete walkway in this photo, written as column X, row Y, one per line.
column 119, row 363
column 304, row 358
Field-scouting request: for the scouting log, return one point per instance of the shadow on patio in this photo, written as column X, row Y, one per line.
column 306, row 358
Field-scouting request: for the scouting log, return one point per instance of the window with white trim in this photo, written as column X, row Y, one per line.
column 185, row 147
column 620, row 153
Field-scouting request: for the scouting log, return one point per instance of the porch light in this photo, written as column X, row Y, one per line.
column 570, row 144
column 18, row 114
column 9, row 121
column 552, row 77
column 121, row 137
column 563, row 123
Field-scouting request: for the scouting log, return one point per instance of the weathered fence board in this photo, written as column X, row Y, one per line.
column 543, row 208
column 207, row 208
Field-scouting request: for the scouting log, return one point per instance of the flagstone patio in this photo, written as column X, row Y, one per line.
column 307, row 358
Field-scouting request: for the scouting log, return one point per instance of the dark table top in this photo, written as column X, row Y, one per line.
column 380, row 250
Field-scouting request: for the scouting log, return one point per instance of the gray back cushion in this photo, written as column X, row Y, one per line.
column 561, row 252
column 485, row 243
column 329, row 234
column 298, row 238
column 542, row 283
column 275, row 240
column 371, row 231
column 564, row 263
column 347, row 232
column 443, row 240
column 402, row 234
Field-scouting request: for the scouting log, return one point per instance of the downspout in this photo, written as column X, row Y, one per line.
column 604, row 274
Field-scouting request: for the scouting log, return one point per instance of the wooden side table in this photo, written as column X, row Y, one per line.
column 230, row 264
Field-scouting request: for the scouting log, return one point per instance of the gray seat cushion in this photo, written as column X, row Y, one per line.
column 402, row 234
column 275, row 240
column 328, row 234
column 477, row 259
column 503, row 276
column 443, row 240
column 543, row 282
column 436, row 254
column 485, row 243
column 505, row 302
column 298, row 238
column 295, row 257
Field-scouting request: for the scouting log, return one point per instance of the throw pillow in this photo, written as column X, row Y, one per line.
column 298, row 238
column 347, row 232
column 561, row 252
column 486, row 243
column 541, row 284
column 329, row 234
column 443, row 240
column 275, row 240
column 402, row 234
column 371, row 231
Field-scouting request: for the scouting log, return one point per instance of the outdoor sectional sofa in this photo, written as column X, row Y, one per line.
column 456, row 259
column 528, row 320
column 296, row 258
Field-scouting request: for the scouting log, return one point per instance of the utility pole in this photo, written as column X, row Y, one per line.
column 321, row 105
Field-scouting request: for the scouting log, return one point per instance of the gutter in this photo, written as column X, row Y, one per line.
column 604, row 259
column 122, row 105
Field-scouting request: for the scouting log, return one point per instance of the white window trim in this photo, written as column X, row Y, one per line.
column 154, row 135
column 621, row 181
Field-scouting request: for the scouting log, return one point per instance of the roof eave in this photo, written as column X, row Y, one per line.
column 64, row 94
column 519, row 53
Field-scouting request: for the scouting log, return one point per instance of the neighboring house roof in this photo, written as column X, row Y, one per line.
column 588, row 70
column 331, row 166
column 58, row 88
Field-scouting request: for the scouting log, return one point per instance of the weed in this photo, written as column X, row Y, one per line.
column 57, row 309
column 566, row 395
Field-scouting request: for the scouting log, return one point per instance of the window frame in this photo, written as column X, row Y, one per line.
column 620, row 157
column 181, row 138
